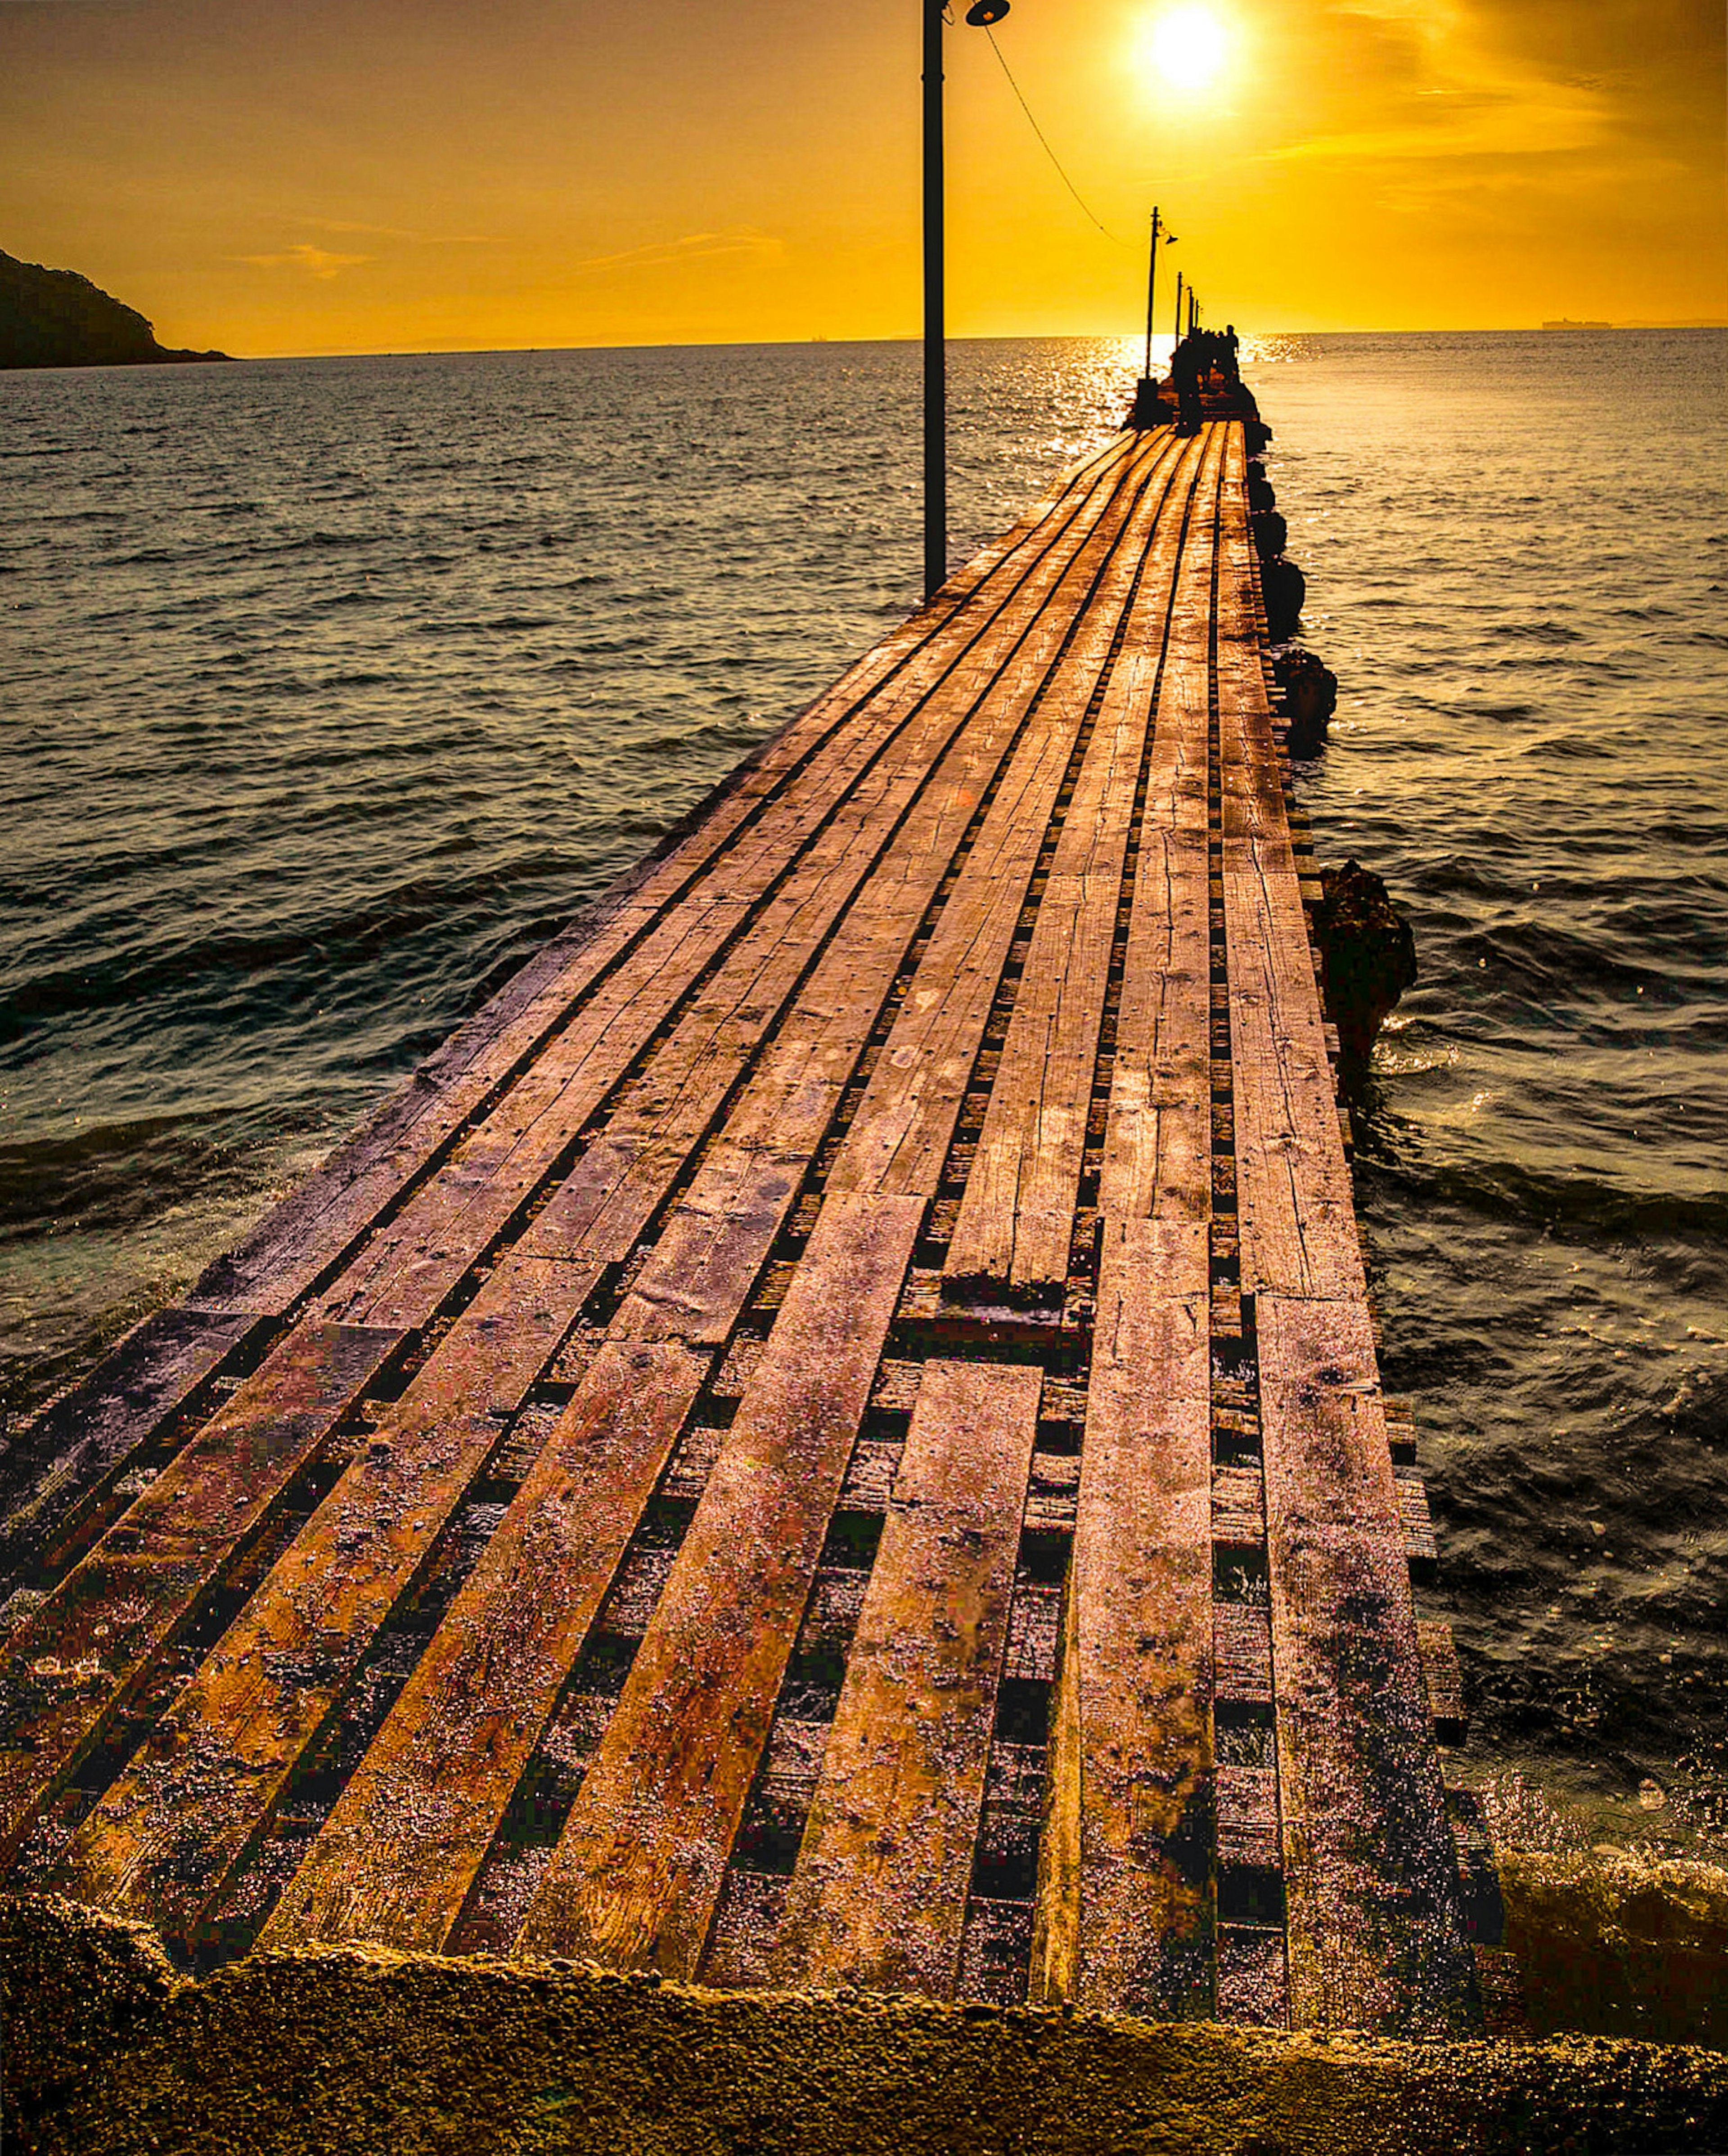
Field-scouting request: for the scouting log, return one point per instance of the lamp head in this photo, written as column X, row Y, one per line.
column 984, row 13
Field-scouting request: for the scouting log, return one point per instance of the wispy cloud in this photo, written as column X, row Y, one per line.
column 314, row 261
column 693, row 247
column 1458, row 97
column 399, row 232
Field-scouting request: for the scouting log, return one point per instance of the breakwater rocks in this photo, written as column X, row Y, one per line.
column 56, row 318
column 358, row 2049
column 1282, row 586
column 1368, row 952
column 1310, row 688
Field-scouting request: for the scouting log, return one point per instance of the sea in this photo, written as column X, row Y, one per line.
column 334, row 687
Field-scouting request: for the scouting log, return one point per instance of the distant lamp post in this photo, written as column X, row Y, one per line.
column 980, row 16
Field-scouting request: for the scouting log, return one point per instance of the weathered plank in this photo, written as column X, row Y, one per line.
column 60, row 1466
column 1132, row 1742
column 174, row 1824
column 69, row 1665
column 1297, row 1217
column 396, row 1858
column 1376, row 1927
column 1156, row 1152
column 638, row 1870
column 879, row 1894
column 900, row 1136
column 1016, row 1221
column 1124, row 1916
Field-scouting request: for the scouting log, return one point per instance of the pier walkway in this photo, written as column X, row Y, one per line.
column 832, row 1435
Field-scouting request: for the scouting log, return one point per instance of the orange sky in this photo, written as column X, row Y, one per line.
column 406, row 175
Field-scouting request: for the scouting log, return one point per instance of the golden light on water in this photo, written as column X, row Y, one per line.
column 1188, row 47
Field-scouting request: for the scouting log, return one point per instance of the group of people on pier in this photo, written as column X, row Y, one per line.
column 1204, row 359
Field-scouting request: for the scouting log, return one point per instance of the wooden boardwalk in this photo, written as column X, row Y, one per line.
column 832, row 1434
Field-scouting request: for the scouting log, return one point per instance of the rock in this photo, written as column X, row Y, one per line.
column 1613, row 1944
column 1310, row 693
column 1368, row 952
column 1284, row 588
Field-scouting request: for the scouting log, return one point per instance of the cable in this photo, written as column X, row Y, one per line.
column 1114, row 236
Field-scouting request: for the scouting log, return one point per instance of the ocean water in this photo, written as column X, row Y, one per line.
column 335, row 686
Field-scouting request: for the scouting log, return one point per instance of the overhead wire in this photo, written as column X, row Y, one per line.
column 1114, row 237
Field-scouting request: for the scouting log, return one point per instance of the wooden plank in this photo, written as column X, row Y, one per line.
column 1053, row 1966
column 637, row 1873
column 70, row 1664
column 1012, row 1239
column 173, row 1826
column 1297, row 1217
column 1134, row 1752
column 408, row 1268
column 899, row 1138
column 1124, row 1913
column 62, row 1463
column 1376, row 1933
column 301, row 1239
column 878, row 1897
column 1157, row 1145
column 1442, row 1680
column 397, row 1857
column 608, row 1198
column 1248, row 1818
column 718, row 1235
column 716, row 1239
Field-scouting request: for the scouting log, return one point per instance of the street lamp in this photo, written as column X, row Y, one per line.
column 1146, row 411
column 981, row 17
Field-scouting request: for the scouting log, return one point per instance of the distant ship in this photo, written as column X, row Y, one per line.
column 1563, row 324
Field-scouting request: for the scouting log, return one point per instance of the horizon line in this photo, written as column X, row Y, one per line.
column 1039, row 336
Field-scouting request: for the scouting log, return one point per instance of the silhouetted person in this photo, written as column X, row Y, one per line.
column 1231, row 343
column 1184, row 378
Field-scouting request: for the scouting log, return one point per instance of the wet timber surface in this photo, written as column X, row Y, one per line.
column 832, row 1435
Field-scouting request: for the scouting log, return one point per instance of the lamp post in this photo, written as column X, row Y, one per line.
column 980, row 17
column 1147, row 411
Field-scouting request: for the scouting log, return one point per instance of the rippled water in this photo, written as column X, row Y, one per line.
column 338, row 685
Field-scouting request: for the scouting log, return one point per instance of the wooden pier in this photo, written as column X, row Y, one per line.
column 831, row 1436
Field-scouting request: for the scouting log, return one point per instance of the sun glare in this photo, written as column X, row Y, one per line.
column 1187, row 46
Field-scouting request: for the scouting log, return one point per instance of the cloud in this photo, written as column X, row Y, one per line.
column 1455, row 96
column 693, row 247
column 397, row 232
column 314, row 260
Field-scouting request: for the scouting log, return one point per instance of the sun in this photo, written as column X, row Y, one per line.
column 1188, row 46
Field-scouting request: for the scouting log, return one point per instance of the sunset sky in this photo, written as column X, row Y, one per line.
column 413, row 175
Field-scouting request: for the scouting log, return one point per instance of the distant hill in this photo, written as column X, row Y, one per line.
column 56, row 318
